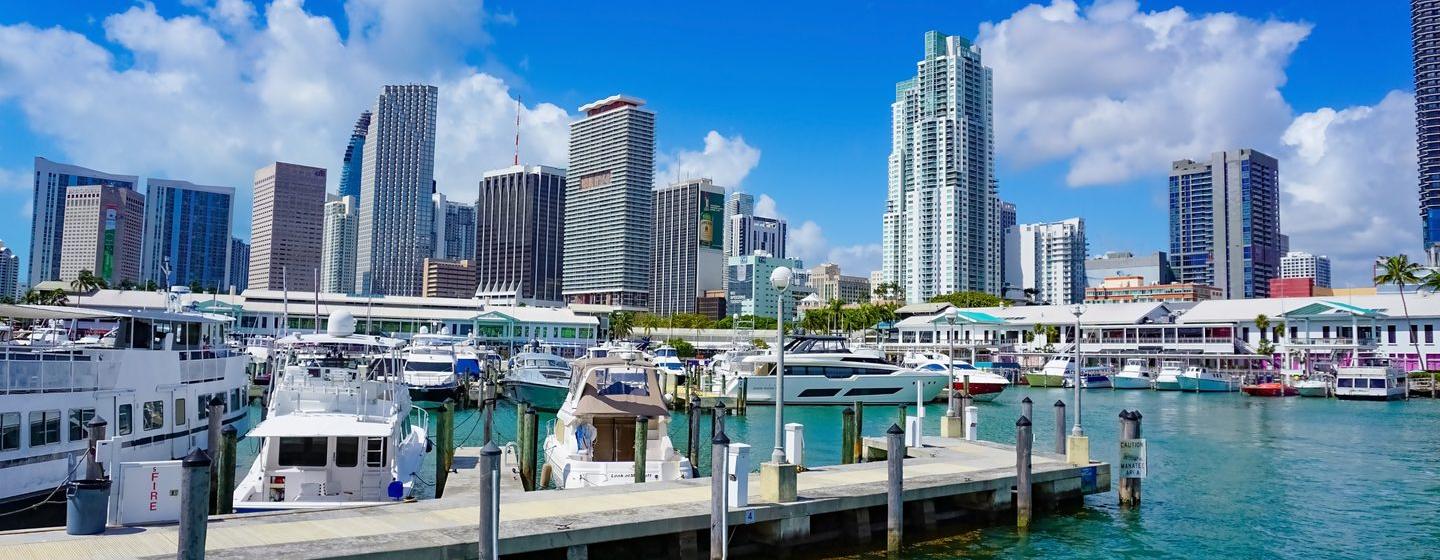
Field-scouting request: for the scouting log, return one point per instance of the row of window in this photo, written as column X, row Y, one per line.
column 314, row 452
column 45, row 424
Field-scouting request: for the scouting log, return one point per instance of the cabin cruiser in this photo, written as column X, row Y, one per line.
column 1091, row 377
column 1135, row 375
column 1053, row 373
column 43, row 337
column 338, row 432
column 593, row 441
column 1202, row 379
column 668, row 360
column 537, row 378
column 1169, row 377
column 1370, row 379
column 429, row 367
column 622, row 349
column 982, row 385
column 151, row 383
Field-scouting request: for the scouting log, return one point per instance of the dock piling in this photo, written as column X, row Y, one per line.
column 194, row 503
column 1129, row 429
column 224, row 492
column 692, row 439
column 1060, row 427
column 487, row 396
column 489, row 502
column 444, row 445
column 1027, row 408
column 532, row 425
column 95, row 429
column 847, row 436
column 1024, row 440
column 740, row 401
column 859, row 432
column 894, row 499
column 642, row 433
column 900, row 418
column 216, row 406
column 719, row 494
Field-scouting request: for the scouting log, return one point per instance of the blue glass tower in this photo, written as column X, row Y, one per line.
column 1225, row 222
column 354, row 156
column 187, row 228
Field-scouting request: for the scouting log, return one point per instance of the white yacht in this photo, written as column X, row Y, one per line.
column 151, row 383
column 983, row 385
column 731, row 363
column 41, row 337
column 1169, row 377
column 593, row 441
column 338, row 433
column 1053, row 373
column 429, row 367
column 1091, row 377
column 668, row 360
column 537, row 378
column 823, row 370
column 1370, row 379
column 1135, row 375
column 1202, row 379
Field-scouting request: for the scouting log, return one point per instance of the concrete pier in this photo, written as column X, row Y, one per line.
column 946, row 479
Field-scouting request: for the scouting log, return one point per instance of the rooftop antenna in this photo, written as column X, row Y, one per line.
column 517, row 129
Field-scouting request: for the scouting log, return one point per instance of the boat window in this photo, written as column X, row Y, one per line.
column 1377, row 383
column 347, row 451
column 1343, row 382
column 180, row 411
column 9, row 431
column 375, row 449
column 411, row 365
column 123, row 421
column 835, row 372
column 44, row 427
column 154, row 415
column 235, row 399
column 302, row 452
column 78, row 418
column 932, row 367
column 202, row 412
column 621, row 382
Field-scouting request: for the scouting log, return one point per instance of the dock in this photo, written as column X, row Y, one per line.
column 948, row 482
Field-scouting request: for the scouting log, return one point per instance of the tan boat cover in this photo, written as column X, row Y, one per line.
column 592, row 403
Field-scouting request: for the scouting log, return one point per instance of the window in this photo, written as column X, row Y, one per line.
column 1325, row 332
column 302, row 452
column 1344, row 382
column 347, row 451
column 235, row 399
column 154, row 415
column 78, row 418
column 1377, row 383
column 9, row 431
column 180, row 418
column 1245, row 334
column 1390, row 333
column 1429, row 334
column 203, row 411
column 375, row 450
column 123, row 422
column 44, row 428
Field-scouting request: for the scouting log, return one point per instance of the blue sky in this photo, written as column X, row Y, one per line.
column 789, row 101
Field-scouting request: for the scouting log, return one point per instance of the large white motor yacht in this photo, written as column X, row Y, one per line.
column 823, row 370
column 429, row 367
column 337, row 432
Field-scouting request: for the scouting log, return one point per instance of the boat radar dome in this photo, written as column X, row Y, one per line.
column 342, row 323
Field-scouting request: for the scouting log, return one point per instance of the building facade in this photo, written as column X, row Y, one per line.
column 608, row 204
column 750, row 292
column 454, row 229
column 1048, row 258
column 9, row 272
column 47, row 226
column 104, row 226
column 286, row 222
column 1153, row 268
column 829, row 285
column 1008, row 217
column 1133, row 289
column 449, row 279
column 187, row 232
column 519, row 235
column 351, row 167
column 1425, row 42
column 942, row 214
column 397, row 215
column 758, row 233
column 1299, row 264
column 689, row 250
column 337, row 253
column 737, row 204
column 239, row 265
column 1225, row 222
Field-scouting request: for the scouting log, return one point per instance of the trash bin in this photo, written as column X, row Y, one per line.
column 87, row 502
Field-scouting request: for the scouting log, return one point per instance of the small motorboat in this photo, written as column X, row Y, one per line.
column 983, row 386
column 1270, row 389
column 1093, row 377
column 1135, row 375
column 1313, row 387
column 1169, row 377
column 1204, row 380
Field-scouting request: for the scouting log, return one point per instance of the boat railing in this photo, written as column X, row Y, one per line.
column 49, row 370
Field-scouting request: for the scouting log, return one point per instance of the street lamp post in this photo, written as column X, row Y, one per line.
column 780, row 280
column 950, row 315
column 1079, row 371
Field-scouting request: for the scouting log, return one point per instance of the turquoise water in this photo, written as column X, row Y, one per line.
column 1229, row 475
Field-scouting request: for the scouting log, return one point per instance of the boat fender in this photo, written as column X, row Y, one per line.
column 396, row 490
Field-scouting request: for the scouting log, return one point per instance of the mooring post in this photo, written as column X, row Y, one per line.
column 692, row 439
column 900, row 418
column 740, row 401
column 225, row 492
column 642, row 434
column 1027, row 408
column 859, row 432
column 489, row 502
column 216, row 406
column 894, row 485
column 96, row 429
column 521, row 407
column 487, row 394
column 719, row 494
column 1129, row 429
column 444, row 442
column 194, row 503
column 847, row 436
column 717, row 419
column 1023, row 442
column 532, row 427
column 1060, row 427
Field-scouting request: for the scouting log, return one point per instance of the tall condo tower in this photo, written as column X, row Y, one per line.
column 942, row 217
column 187, row 231
column 354, row 156
column 608, row 204
column 689, row 247
column 397, row 217
column 337, row 256
column 103, row 228
column 285, row 227
column 518, row 235
column 1225, row 222
column 48, row 225
column 454, row 229
column 9, row 272
column 1048, row 258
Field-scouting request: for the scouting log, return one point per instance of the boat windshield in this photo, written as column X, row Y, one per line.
column 1135, row 362
column 428, row 366
column 1374, row 362
column 802, row 345
column 621, row 383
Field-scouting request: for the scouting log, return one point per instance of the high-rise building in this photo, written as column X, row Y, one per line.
column 285, row 227
column 1425, row 43
column 239, row 265
column 187, row 232
column 519, row 231
column 104, row 226
column 354, row 158
column 1152, row 268
column 757, row 233
column 1048, row 258
column 448, row 279
column 1008, row 217
column 1299, row 264
column 397, row 217
column 829, row 285
column 750, row 290
column 337, row 253
column 454, row 229
column 689, row 247
column 9, row 272
column 608, row 204
column 737, row 204
column 942, row 215
column 1225, row 222
column 48, row 224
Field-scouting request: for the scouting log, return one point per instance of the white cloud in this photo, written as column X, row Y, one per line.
column 766, row 207
column 727, row 161
column 808, row 242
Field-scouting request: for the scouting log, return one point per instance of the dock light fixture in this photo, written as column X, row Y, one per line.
column 780, row 280
column 1079, row 370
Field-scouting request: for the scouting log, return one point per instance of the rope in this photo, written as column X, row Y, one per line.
column 68, row 478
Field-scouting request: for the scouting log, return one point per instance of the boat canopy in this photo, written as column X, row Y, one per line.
column 354, row 339
column 20, row 311
column 319, row 425
column 617, row 387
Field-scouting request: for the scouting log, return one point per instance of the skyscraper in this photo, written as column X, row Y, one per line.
column 519, row 233
column 397, row 216
column 1225, row 222
column 1008, row 218
column 608, row 203
column 750, row 292
column 737, row 204
column 757, row 233
column 942, row 223
column 104, row 225
column 285, row 226
column 9, row 272
column 48, row 225
column 1048, row 258
column 454, row 229
column 337, row 254
column 689, row 249
column 187, row 231
column 354, row 158
column 1299, row 264
column 239, row 265
column 1425, row 44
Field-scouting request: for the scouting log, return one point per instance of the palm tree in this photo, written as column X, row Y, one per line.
column 836, row 309
column 55, row 297
column 86, row 281
column 621, row 322
column 1262, row 324
column 1398, row 270
column 32, row 297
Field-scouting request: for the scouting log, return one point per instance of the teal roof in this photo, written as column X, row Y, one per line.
column 1321, row 308
column 972, row 317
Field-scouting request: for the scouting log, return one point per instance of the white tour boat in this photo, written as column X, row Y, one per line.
column 338, row 433
column 1135, row 375
column 1204, row 380
column 1370, row 379
column 593, row 440
column 537, row 378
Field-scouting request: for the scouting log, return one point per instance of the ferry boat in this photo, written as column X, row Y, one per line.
column 1135, row 375
column 593, row 440
column 984, row 386
column 823, row 370
column 1169, row 377
column 539, row 379
column 1370, row 379
column 1202, row 379
column 338, row 432
column 151, row 383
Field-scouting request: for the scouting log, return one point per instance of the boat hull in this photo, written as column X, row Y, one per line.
column 544, row 397
column 1128, row 382
column 1092, row 382
column 1206, row 385
column 981, row 392
column 1270, row 390
column 1041, row 379
column 1167, row 383
column 431, row 393
column 1316, row 390
column 814, row 389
